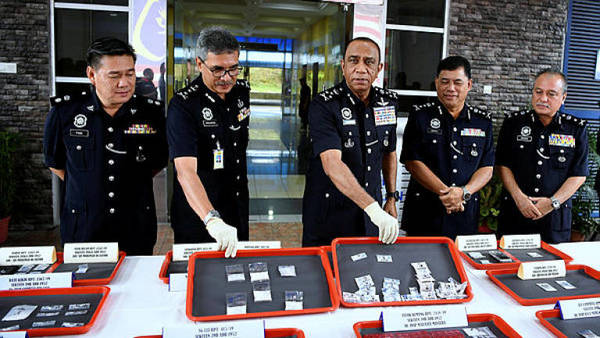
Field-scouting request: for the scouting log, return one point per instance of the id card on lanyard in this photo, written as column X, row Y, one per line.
column 218, row 158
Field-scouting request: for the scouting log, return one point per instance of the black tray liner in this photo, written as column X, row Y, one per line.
column 8, row 302
column 489, row 324
column 570, row 327
column 586, row 285
column 437, row 256
column 210, row 284
column 177, row 267
column 521, row 254
column 487, row 255
column 95, row 270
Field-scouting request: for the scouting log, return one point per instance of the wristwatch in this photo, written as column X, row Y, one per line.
column 394, row 194
column 555, row 203
column 466, row 194
column 211, row 214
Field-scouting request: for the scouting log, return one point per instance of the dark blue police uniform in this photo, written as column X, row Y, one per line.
column 340, row 120
column 453, row 150
column 109, row 163
column 214, row 131
column 541, row 159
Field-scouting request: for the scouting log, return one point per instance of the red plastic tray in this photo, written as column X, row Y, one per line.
column 523, row 301
column 99, row 281
column 58, row 331
column 501, row 266
column 374, row 240
column 269, row 333
column 162, row 274
column 543, row 314
column 261, row 253
column 481, row 317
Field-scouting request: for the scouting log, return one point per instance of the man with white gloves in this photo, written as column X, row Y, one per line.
column 207, row 130
column 352, row 128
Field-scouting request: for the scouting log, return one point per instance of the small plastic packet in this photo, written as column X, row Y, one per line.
column 476, row 255
column 287, row 270
column 294, row 300
column 71, row 324
column 76, row 313
column 46, row 323
column 47, row 314
column 258, row 271
column 358, row 256
column 11, row 328
column 236, row 303
column 19, row 312
column 479, row 332
column 566, row 285
column 364, row 282
column 384, row 259
column 52, row 308
column 235, row 273
column 41, row 267
column 351, row 297
column 81, row 306
column 587, row 333
column 261, row 291
column 82, row 268
column 26, row 268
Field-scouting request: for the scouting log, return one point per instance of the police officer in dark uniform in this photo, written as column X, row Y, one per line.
column 448, row 149
column 353, row 134
column 207, row 130
column 542, row 160
column 106, row 145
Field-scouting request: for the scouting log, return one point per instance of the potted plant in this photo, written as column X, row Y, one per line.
column 489, row 205
column 9, row 143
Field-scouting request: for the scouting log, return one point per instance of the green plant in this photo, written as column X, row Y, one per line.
column 584, row 200
column 9, row 143
column 489, row 203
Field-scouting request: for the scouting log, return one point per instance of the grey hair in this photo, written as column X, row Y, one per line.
column 217, row 41
column 554, row 72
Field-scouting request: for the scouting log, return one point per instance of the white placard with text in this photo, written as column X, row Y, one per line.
column 91, row 252
column 36, row 281
column 235, row 329
column 476, row 242
column 542, row 269
column 424, row 317
column 521, row 241
column 14, row 334
column 178, row 282
column 181, row 252
column 27, row 255
column 579, row 308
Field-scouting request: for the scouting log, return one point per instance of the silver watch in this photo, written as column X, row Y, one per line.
column 211, row 214
column 555, row 203
column 466, row 194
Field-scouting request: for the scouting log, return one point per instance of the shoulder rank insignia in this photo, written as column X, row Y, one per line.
column 243, row 83
column 573, row 120
column 479, row 112
column 57, row 100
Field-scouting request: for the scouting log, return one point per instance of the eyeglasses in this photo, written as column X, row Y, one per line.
column 219, row 72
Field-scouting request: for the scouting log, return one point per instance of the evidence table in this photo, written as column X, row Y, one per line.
column 141, row 304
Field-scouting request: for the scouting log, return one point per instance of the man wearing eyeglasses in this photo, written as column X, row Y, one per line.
column 542, row 160
column 207, row 131
column 352, row 129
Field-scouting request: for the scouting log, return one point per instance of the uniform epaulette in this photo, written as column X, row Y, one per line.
column 58, row 100
column 418, row 107
column 243, row 83
column 387, row 93
column 189, row 91
column 329, row 94
column 481, row 113
column 573, row 120
column 515, row 114
column 147, row 100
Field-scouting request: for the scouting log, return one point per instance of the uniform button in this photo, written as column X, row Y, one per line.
column 538, row 176
column 434, row 141
column 454, row 142
column 367, row 116
column 237, row 193
column 454, row 171
column 536, row 189
column 111, row 210
column 326, row 195
column 562, row 151
column 349, row 133
column 237, row 161
column 542, row 150
column 417, row 194
column 387, row 132
column 521, row 146
column 367, row 184
column 78, row 147
column 455, row 157
column 368, row 133
column 237, row 178
column 369, row 168
column 141, row 148
column 539, row 162
column 454, row 184
column 542, row 137
column 454, row 129
column 110, row 145
column 110, row 129
column 235, row 144
column 111, row 178
column 111, row 162
column 72, row 211
column 369, row 150
column 111, row 194
column 474, row 144
column 227, row 109
column 212, row 136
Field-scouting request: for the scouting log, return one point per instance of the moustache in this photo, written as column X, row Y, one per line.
column 224, row 83
column 543, row 105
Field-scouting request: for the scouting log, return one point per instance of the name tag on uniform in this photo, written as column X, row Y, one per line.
column 348, row 122
column 140, row 129
column 561, row 140
column 472, row 132
column 244, row 113
column 218, row 159
column 79, row 132
column 384, row 115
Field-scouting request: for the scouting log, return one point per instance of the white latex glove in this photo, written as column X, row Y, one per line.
column 388, row 225
column 225, row 235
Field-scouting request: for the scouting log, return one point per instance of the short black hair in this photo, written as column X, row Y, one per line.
column 107, row 46
column 454, row 62
column 363, row 38
column 551, row 71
